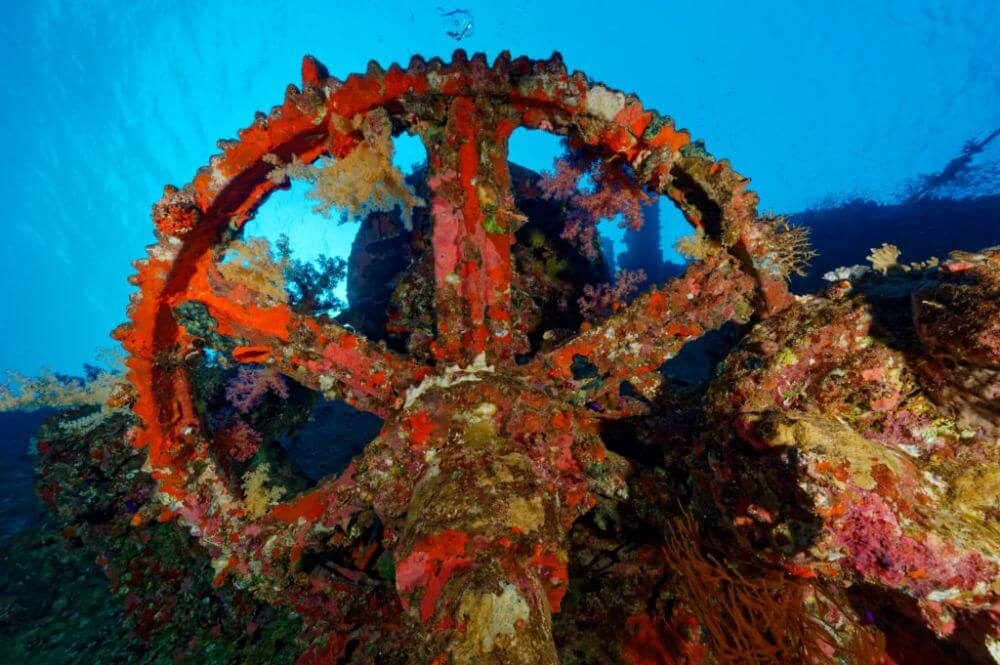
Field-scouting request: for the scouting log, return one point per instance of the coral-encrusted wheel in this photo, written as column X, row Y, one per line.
column 483, row 463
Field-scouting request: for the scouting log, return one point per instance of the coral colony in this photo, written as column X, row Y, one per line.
column 542, row 488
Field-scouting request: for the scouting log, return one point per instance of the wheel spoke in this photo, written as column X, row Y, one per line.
column 474, row 224
column 613, row 367
column 320, row 355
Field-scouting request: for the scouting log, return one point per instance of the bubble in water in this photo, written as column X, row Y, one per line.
column 458, row 23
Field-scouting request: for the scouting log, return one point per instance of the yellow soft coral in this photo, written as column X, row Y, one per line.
column 257, row 497
column 250, row 263
column 28, row 393
column 695, row 246
column 360, row 183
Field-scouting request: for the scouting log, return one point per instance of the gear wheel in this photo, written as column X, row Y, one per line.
column 483, row 463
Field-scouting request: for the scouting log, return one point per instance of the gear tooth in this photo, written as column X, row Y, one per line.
column 435, row 64
column 121, row 331
column 291, row 93
column 521, row 65
column 154, row 252
column 274, row 113
column 502, row 60
column 313, row 71
column 459, row 57
column 332, row 84
column 227, row 144
column 480, row 59
column 417, row 64
column 259, row 119
column 556, row 63
column 375, row 69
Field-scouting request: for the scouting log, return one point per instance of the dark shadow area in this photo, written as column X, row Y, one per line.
column 695, row 365
column 899, row 617
column 333, row 435
column 20, row 508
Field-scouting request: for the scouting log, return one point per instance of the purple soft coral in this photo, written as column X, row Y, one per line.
column 251, row 384
column 600, row 301
column 239, row 440
column 612, row 193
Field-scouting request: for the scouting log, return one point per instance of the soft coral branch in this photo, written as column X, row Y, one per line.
column 251, row 384
column 611, row 193
column 600, row 301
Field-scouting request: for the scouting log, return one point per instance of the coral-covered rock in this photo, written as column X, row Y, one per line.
column 849, row 442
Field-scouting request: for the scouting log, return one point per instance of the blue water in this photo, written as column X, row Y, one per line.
column 103, row 102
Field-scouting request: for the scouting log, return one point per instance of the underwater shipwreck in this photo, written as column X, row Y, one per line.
column 527, row 456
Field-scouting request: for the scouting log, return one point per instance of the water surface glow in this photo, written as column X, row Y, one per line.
column 106, row 101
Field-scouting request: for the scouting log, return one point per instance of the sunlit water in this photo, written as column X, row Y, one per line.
column 105, row 102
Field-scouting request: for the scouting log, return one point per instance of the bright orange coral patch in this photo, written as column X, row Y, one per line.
column 308, row 506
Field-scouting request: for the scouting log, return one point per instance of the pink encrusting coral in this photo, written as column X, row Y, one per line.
column 429, row 566
column 906, row 428
column 879, row 549
column 888, row 451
